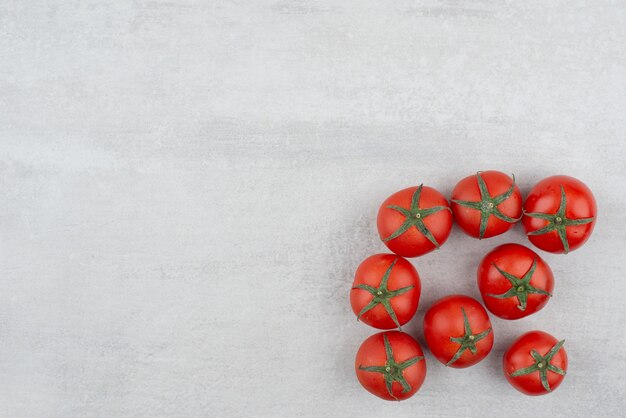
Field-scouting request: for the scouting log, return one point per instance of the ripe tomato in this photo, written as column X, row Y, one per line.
column 559, row 214
column 414, row 221
column 391, row 365
column 514, row 281
column 386, row 291
column 536, row 363
column 486, row 204
column 458, row 331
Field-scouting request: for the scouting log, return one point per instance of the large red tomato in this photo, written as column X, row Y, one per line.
column 391, row 365
column 386, row 291
column 486, row 204
column 458, row 331
column 536, row 363
column 559, row 214
column 514, row 281
column 414, row 221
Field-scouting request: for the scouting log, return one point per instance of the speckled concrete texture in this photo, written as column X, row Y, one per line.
column 186, row 189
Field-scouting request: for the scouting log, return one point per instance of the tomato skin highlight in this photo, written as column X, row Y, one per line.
column 413, row 243
column 518, row 357
column 444, row 320
column 516, row 260
column 403, row 274
column 372, row 353
column 545, row 197
column 469, row 219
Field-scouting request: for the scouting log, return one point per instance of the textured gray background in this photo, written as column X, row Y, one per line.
column 187, row 187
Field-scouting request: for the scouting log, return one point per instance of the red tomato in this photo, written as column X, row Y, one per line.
column 486, row 204
column 391, row 365
column 414, row 221
column 559, row 214
column 514, row 281
column 536, row 363
column 386, row 291
column 458, row 331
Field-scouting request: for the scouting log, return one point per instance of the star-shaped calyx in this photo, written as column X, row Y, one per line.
column 558, row 222
column 415, row 217
column 542, row 365
column 382, row 295
column 468, row 340
column 520, row 286
column 392, row 371
column 488, row 205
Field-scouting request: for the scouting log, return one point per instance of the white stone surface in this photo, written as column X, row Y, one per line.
column 187, row 188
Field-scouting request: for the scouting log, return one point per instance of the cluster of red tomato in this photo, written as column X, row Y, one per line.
column 558, row 216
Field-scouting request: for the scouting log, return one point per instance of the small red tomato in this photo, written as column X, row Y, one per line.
column 458, row 331
column 414, row 221
column 559, row 214
column 386, row 291
column 514, row 281
column 391, row 365
column 536, row 363
column 486, row 204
